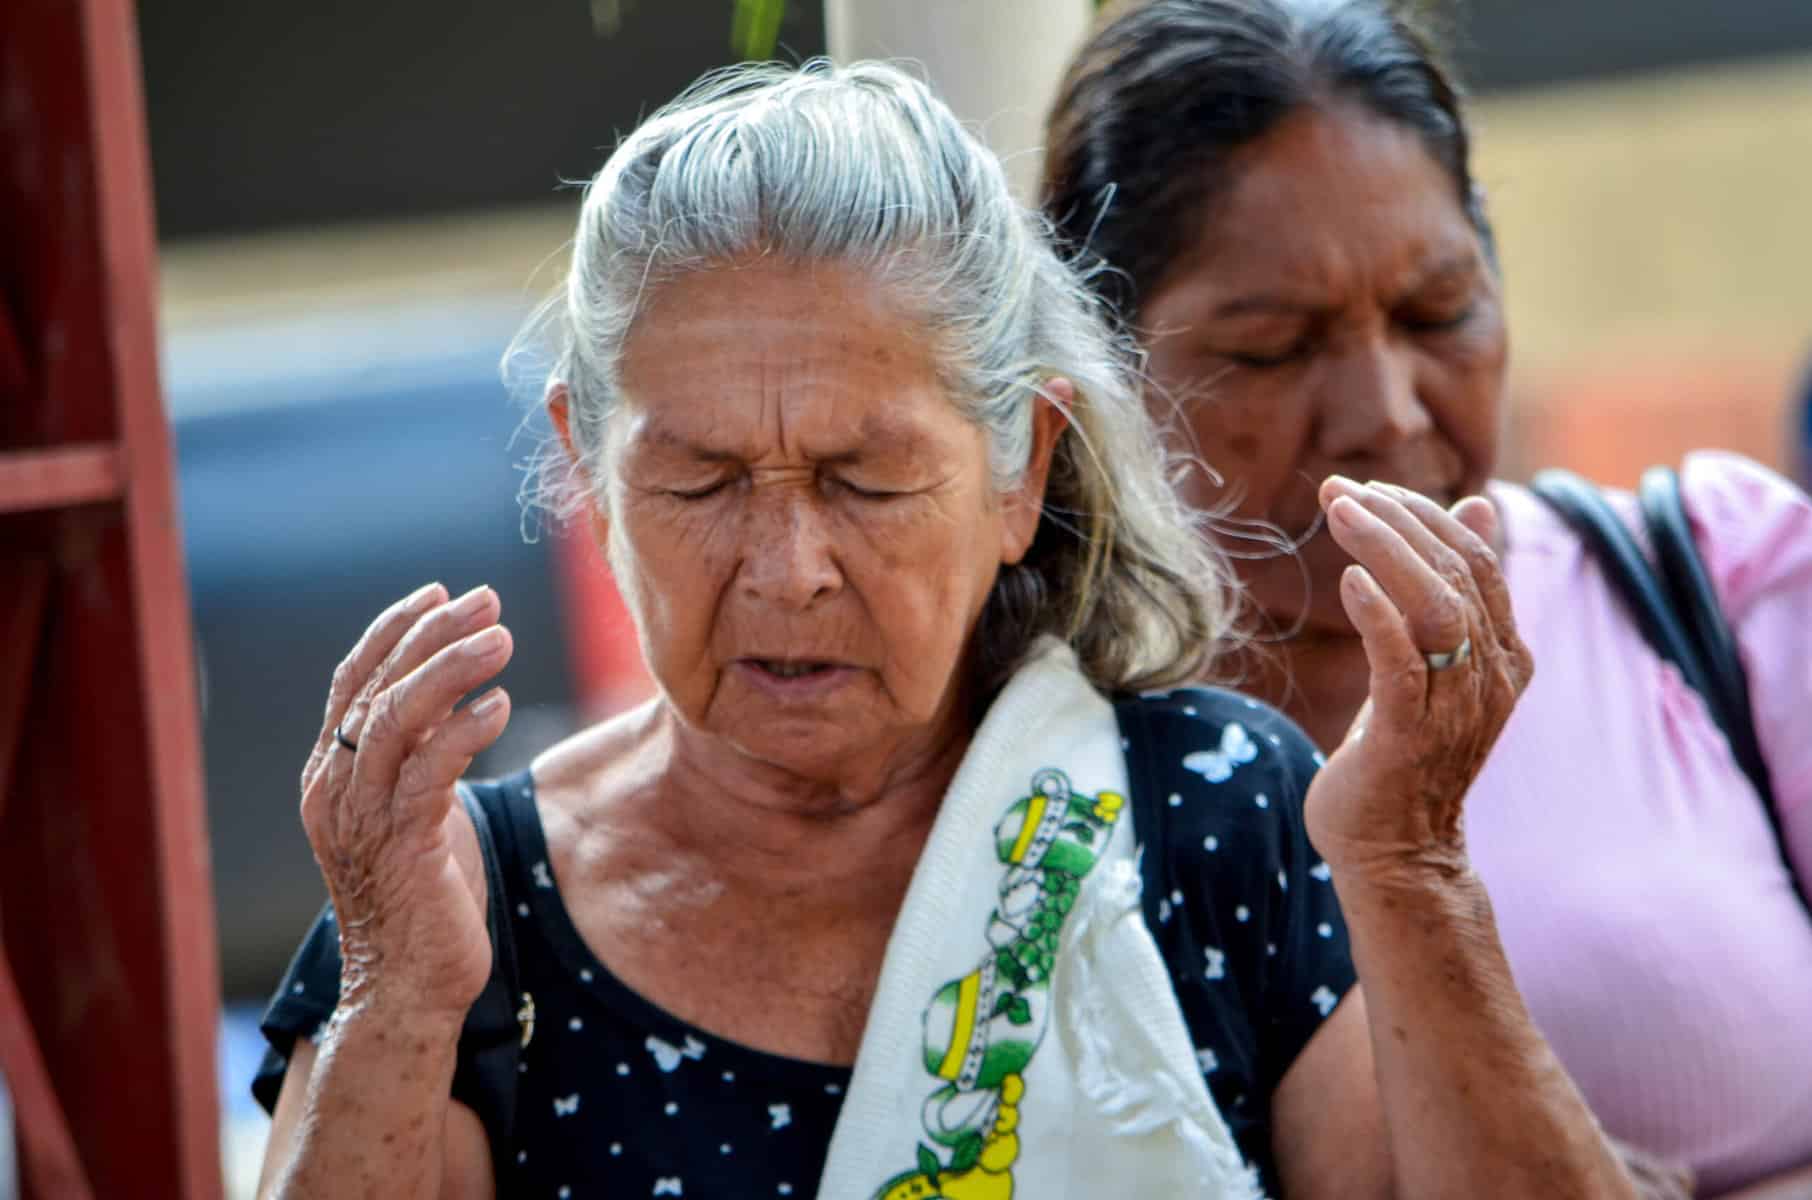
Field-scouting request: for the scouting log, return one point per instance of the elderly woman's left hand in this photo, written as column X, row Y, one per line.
column 1429, row 600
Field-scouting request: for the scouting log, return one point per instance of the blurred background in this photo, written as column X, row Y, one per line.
column 358, row 204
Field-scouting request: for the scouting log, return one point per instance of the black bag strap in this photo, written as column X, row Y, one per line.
column 1677, row 610
column 1583, row 506
column 492, row 1026
column 1689, row 583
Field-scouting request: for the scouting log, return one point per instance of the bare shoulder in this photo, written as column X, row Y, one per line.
column 612, row 759
column 575, row 762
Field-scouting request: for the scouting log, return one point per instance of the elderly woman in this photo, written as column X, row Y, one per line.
column 1282, row 191
column 854, row 903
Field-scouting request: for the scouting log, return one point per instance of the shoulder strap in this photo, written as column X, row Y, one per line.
column 1583, row 506
column 491, row 1026
column 1683, row 571
column 1677, row 609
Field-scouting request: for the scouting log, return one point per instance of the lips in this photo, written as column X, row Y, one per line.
column 795, row 680
column 784, row 668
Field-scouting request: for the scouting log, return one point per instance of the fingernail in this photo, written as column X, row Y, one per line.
column 1341, row 481
column 1360, row 581
column 487, row 703
column 472, row 601
column 420, row 595
column 1346, row 511
column 481, row 645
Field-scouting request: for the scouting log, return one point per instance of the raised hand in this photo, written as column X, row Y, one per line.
column 1428, row 597
column 397, row 852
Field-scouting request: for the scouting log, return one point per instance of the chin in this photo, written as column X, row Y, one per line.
column 803, row 746
column 1300, row 593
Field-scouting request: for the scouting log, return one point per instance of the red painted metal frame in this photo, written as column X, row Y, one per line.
column 60, row 478
column 108, row 977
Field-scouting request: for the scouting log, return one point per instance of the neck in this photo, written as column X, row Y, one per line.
column 1317, row 679
column 756, row 830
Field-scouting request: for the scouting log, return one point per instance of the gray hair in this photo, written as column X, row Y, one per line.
column 863, row 167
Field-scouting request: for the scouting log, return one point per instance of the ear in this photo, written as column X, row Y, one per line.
column 559, row 410
column 1024, row 505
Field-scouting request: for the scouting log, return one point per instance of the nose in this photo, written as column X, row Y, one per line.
column 789, row 555
column 1369, row 403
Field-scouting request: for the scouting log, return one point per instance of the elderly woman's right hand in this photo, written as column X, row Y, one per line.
column 1428, row 596
column 398, row 855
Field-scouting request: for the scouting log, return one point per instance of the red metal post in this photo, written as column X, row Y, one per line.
column 108, row 976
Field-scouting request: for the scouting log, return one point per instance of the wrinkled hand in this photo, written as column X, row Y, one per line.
column 1424, row 581
column 394, row 845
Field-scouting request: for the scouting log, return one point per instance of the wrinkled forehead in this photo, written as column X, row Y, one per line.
column 776, row 357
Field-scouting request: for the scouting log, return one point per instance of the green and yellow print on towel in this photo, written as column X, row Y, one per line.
column 982, row 1030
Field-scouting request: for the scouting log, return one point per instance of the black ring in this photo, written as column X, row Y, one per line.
column 339, row 735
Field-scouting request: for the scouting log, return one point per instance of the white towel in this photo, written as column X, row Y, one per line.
column 1024, row 1039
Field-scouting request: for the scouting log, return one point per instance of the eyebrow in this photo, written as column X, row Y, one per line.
column 1455, row 264
column 1279, row 304
column 666, row 439
column 1265, row 304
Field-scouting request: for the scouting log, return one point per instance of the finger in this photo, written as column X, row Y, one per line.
column 1480, row 515
column 410, row 710
column 373, row 646
column 477, row 609
column 433, row 626
column 1392, row 505
column 427, row 777
column 1433, row 609
column 1470, row 528
column 1399, row 673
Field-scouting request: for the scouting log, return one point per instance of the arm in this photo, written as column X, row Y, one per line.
column 351, row 1084
column 1467, row 1089
column 368, row 1111
column 1327, row 1127
column 1329, row 1138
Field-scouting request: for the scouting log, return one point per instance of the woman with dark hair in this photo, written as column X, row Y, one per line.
column 1278, row 198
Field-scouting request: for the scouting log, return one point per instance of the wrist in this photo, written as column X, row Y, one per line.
column 1386, row 867
column 366, row 1005
column 374, row 1036
column 376, row 983
column 1419, row 887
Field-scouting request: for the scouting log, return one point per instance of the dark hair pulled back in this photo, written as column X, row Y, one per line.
column 1165, row 92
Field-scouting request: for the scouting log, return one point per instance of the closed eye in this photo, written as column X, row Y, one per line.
column 867, row 493
column 1435, row 320
column 1278, row 358
column 699, row 493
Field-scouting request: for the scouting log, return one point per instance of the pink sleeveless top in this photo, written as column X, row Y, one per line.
column 1642, row 898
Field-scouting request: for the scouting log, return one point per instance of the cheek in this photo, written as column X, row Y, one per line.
column 1470, row 394
column 1248, row 435
column 671, row 567
column 923, row 582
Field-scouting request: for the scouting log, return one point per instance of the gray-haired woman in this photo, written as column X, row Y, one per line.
column 854, row 904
